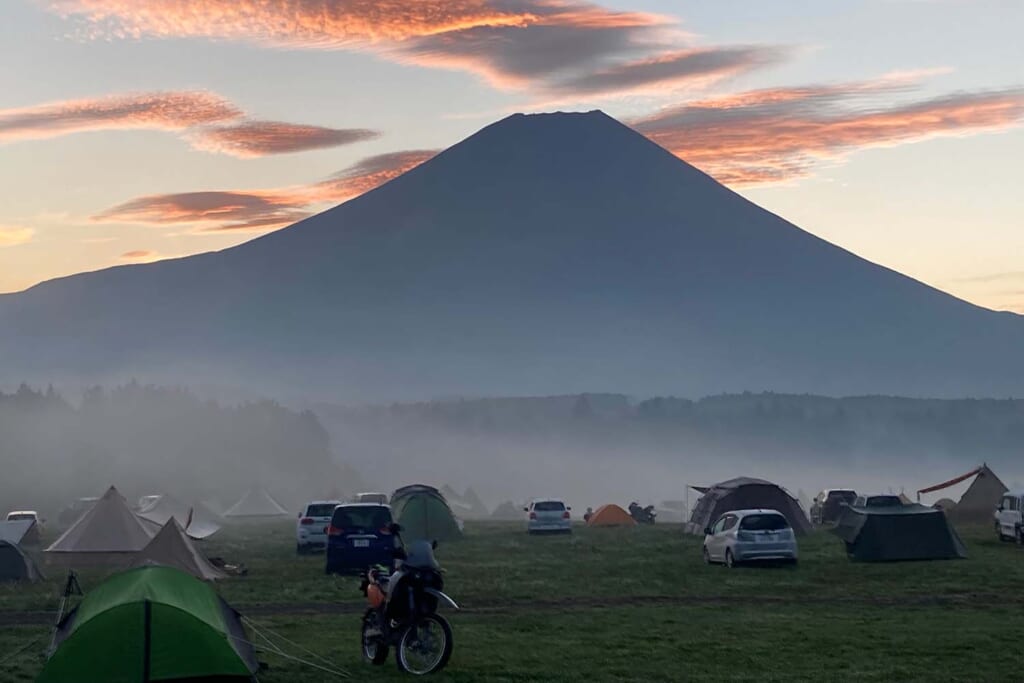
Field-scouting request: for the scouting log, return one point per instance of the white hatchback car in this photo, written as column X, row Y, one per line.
column 750, row 535
column 1010, row 517
column 548, row 515
column 311, row 529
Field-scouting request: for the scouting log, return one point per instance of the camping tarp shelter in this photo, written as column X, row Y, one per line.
column 745, row 493
column 198, row 521
column 981, row 498
column 15, row 565
column 903, row 532
column 611, row 515
column 151, row 624
column 24, row 532
column 173, row 548
column 424, row 514
column 108, row 533
column 256, row 504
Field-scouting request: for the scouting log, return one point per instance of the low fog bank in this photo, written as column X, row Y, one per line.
column 589, row 449
column 594, row 449
column 151, row 440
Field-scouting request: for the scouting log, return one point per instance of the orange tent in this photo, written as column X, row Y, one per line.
column 611, row 515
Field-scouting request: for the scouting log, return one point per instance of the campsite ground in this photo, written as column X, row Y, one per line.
column 625, row 604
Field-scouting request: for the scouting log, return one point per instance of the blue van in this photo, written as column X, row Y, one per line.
column 358, row 537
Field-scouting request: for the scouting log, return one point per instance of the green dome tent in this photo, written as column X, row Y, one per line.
column 151, row 624
column 424, row 514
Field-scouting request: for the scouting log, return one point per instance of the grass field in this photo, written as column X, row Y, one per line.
column 625, row 604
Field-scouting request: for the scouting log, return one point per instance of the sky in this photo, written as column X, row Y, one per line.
column 132, row 131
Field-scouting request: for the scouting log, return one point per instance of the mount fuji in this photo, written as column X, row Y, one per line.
column 545, row 254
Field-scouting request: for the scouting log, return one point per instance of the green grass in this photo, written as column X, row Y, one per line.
column 629, row 604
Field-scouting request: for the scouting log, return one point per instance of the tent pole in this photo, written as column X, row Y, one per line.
column 71, row 587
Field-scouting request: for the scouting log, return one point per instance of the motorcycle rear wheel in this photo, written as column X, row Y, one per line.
column 425, row 646
column 375, row 650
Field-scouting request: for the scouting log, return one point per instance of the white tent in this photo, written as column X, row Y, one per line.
column 172, row 547
column 198, row 521
column 256, row 503
column 107, row 533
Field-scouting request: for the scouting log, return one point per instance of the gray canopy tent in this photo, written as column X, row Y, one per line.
column 898, row 532
column 744, row 493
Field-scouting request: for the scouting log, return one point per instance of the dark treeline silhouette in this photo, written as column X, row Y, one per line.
column 148, row 439
column 879, row 422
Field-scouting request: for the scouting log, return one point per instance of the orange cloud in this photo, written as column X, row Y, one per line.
column 262, row 210
column 260, row 138
column 12, row 236
column 777, row 135
column 695, row 67
column 170, row 111
column 509, row 43
column 324, row 24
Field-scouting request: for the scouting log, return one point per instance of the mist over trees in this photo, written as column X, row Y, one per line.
column 607, row 447
column 147, row 439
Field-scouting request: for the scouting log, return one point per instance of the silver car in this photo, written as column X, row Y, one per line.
column 548, row 515
column 749, row 536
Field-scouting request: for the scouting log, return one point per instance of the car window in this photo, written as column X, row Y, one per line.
column 361, row 518
column 883, row 501
column 764, row 523
column 717, row 528
column 15, row 518
column 730, row 522
column 549, row 506
column 321, row 510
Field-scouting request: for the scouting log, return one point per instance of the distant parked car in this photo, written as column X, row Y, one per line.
column 311, row 529
column 878, row 501
column 750, row 536
column 19, row 515
column 1009, row 521
column 359, row 536
column 379, row 498
column 829, row 504
column 548, row 515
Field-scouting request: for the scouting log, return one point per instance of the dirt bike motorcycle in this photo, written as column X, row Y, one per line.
column 642, row 515
column 403, row 614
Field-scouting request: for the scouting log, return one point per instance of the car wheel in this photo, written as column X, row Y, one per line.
column 707, row 556
column 730, row 562
column 300, row 549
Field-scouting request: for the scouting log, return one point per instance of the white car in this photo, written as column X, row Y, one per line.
column 17, row 515
column 311, row 528
column 548, row 515
column 750, row 535
column 1009, row 521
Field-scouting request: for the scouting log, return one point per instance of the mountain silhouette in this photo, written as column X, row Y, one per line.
column 546, row 254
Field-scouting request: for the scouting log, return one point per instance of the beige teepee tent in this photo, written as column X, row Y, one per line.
column 256, row 504
column 107, row 534
column 198, row 521
column 173, row 548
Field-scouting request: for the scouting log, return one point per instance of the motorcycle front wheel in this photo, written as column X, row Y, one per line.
column 375, row 650
column 425, row 646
